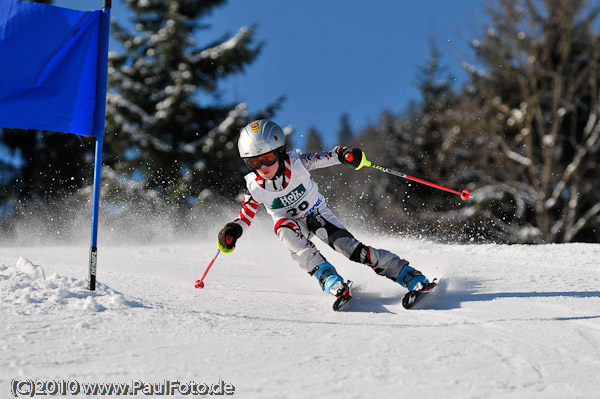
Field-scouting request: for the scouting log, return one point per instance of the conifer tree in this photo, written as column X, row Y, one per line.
column 313, row 141
column 345, row 134
column 540, row 93
column 162, row 130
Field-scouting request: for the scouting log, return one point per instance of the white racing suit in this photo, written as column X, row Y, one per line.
column 299, row 212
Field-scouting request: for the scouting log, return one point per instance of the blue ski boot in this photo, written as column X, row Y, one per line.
column 330, row 281
column 411, row 279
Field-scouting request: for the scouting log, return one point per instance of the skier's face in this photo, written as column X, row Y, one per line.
column 268, row 172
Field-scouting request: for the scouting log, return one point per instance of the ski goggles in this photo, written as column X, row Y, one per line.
column 267, row 159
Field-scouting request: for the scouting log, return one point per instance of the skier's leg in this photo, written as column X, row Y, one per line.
column 328, row 228
column 301, row 248
column 388, row 264
column 307, row 255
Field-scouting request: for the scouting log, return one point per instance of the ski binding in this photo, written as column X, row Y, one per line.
column 412, row 297
column 343, row 296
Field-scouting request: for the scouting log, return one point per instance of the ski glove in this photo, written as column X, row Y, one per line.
column 352, row 156
column 228, row 236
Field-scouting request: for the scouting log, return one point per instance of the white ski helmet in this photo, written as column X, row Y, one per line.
column 260, row 137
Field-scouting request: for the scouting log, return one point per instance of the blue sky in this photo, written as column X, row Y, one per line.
column 334, row 56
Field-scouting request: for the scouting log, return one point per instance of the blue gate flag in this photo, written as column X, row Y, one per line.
column 53, row 75
column 49, row 68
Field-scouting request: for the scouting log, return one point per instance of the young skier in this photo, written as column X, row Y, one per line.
column 281, row 181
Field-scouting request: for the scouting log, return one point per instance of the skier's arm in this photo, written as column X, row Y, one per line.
column 229, row 234
column 248, row 211
column 339, row 155
column 322, row 159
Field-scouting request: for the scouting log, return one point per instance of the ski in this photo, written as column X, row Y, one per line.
column 343, row 296
column 412, row 297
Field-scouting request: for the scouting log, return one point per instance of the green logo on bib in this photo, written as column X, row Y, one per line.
column 289, row 199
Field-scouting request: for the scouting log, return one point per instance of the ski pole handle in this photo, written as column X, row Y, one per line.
column 464, row 194
column 200, row 283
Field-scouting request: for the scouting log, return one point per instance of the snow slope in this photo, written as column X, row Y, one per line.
column 506, row 321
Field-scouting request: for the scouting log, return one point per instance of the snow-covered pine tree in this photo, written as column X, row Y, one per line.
column 540, row 93
column 165, row 124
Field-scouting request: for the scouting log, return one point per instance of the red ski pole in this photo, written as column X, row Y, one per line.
column 200, row 283
column 464, row 194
